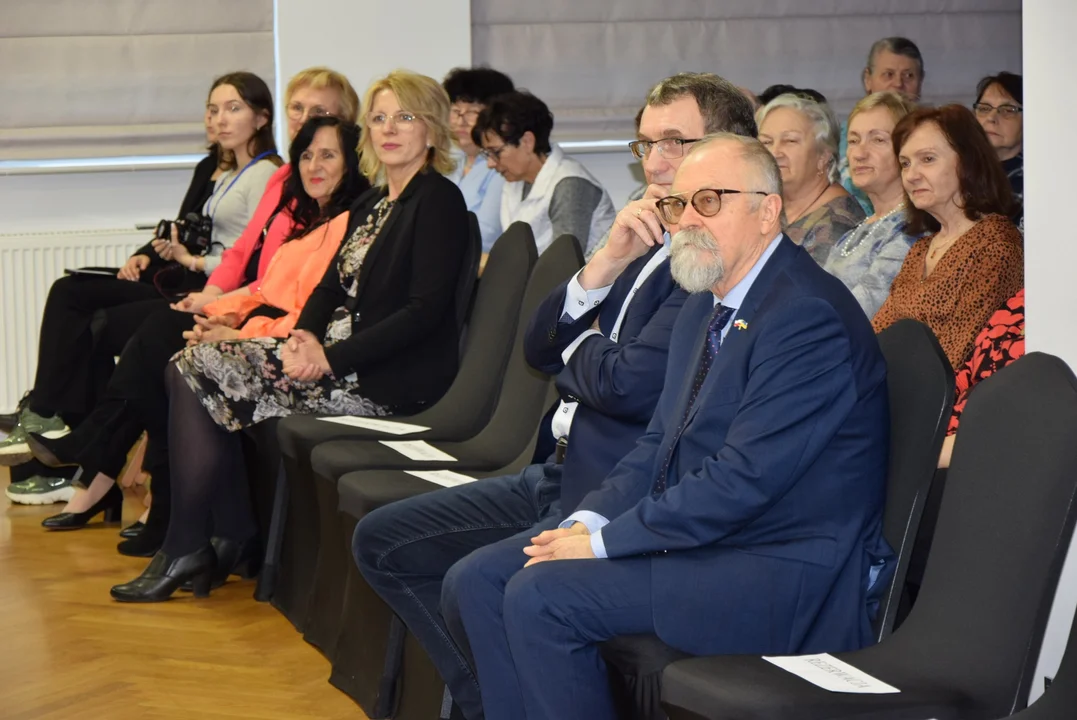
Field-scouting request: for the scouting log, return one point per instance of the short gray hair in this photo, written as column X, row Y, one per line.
column 758, row 157
column 723, row 106
column 897, row 45
column 825, row 127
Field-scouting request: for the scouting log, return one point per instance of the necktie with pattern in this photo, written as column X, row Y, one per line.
column 718, row 320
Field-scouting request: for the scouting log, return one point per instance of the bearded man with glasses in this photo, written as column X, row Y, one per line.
column 748, row 519
column 605, row 333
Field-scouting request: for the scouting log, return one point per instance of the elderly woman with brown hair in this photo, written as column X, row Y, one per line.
column 870, row 255
column 972, row 261
column 376, row 337
column 802, row 135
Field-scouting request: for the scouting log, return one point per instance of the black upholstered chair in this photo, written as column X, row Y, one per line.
column 920, row 385
column 1059, row 702
column 373, row 678
column 968, row 649
column 461, row 413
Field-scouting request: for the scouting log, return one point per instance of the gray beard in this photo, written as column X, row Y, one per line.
column 685, row 249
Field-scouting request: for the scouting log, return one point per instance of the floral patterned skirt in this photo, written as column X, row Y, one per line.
column 241, row 383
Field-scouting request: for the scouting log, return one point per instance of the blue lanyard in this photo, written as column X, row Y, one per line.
column 213, row 213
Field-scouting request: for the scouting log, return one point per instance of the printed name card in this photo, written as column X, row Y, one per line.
column 828, row 672
column 388, row 427
column 418, row 450
column 445, row 478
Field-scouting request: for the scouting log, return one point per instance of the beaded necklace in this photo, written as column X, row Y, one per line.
column 850, row 247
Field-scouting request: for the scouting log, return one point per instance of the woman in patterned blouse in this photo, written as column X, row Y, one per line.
column 972, row 260
column 802, row 135
column 1000, row 343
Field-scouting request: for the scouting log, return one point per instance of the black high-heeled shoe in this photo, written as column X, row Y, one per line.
column 234, row 558
column 111, row 504
column 132, row 530
column 164, row 575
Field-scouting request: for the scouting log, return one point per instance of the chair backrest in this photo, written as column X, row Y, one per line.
column 1003, row 531
column 1059, row 702
column 920, row 382
column 469, row 272
column 466, row 406
column 523, row 397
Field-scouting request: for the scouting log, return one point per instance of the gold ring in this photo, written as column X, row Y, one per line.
column 639, row 211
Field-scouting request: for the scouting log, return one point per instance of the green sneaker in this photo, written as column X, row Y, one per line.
column 13, row 448
column 40, row 490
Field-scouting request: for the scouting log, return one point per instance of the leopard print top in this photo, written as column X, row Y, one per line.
column 973, row 278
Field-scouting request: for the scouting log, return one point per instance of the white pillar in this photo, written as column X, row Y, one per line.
column 1049, row 27
column 365, row 40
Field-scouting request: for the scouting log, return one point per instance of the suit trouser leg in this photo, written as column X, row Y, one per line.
column 405, row 549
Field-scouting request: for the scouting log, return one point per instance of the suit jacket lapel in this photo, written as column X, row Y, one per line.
column 619, row 293
column 735, row 338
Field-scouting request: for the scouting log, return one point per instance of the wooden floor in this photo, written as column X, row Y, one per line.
column 69, row 652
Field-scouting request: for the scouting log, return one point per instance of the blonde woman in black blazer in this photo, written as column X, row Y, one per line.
column 377, row 337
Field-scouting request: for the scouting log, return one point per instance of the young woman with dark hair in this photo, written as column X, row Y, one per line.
column 317, row 197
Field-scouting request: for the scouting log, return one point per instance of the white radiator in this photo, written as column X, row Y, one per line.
column 29, row 263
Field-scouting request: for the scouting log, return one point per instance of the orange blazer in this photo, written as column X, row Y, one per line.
column 293, row 273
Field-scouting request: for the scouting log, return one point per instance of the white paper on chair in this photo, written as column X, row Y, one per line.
column 830, row 673
column 418, row 450
column 445, row 478
column 388, row 427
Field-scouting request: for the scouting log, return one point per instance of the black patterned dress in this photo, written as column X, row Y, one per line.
column 242, row 382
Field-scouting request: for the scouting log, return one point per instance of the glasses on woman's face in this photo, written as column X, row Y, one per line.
column 402, row 119
column 707, row 202
column 467, row 116
column 1006, row 110
column 493, row 153
column 299, row 111
column 669, row 148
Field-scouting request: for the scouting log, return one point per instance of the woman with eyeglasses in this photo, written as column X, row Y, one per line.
column 545, row 188
column 377, row 336
column 1000, row 113
column 470, row 91
column 802, row 135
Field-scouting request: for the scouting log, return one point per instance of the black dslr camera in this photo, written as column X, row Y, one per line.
column 195, row 232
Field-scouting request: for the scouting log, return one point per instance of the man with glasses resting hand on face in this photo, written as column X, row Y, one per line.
column 748, row 518
column 605, row 333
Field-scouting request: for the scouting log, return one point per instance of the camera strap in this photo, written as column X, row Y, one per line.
column 209, row 203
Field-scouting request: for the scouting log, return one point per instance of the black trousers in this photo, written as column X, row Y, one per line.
column 87, row 321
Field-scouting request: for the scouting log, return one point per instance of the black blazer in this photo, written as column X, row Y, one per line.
column 404, row 341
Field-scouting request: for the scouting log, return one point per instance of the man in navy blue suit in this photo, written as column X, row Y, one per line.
column 748, row 518
column 605, row 332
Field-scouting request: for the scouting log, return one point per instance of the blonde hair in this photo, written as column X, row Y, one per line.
column 318, row 78
column 898, row 105
column 422, row 96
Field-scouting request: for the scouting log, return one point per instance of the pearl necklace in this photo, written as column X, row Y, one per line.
column 850, row 248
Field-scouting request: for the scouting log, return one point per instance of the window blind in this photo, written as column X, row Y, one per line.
column 108, row 78
column 593, row 61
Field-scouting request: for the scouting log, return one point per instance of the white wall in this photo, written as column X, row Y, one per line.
column 365, row 40
column 1050, row 245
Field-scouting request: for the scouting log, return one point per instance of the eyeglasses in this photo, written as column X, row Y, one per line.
column 401, row 119
column 669, row 148
column 297, row 110
column 469, row 116
column 493, row 153
column 1006, row 110
column 707, row 202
